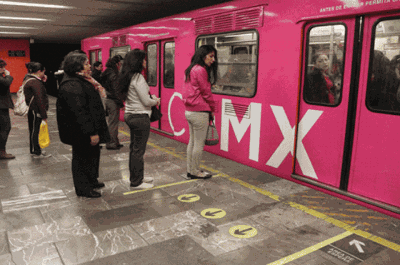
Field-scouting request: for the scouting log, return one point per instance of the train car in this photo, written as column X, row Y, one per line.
column 307, row 90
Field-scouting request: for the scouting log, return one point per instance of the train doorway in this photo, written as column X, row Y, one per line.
column 323, row 109
column 160, row 77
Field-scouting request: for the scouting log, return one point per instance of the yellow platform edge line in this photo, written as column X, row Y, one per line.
column 311, row 249
column 303, row 208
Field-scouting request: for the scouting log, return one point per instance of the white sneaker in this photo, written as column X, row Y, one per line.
column 148, row 179
column 42, row 155
column 144, row 186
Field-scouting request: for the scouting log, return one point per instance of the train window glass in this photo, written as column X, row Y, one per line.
column 384, row 71
column 237, row 62
column 169, row 64
column 92, row 57
column 99, row 56
column 152, row 64
column 324, row 60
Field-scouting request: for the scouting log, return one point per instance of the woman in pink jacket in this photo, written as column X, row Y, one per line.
column 199, row 104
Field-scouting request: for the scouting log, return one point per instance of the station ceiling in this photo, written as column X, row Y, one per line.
column 79, row 19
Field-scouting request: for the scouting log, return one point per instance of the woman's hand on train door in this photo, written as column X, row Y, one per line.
column 94, row 140
column 156, row 98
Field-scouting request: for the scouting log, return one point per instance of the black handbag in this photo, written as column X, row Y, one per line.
column 155, row 114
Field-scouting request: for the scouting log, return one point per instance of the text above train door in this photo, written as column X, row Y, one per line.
column 327, row 61
column 375, row 166
column 160, row 77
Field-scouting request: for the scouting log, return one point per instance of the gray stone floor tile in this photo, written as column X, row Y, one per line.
column 106, row 220
column 99, row 245
column 18, row 220
column 118, row 200
column 37, row 254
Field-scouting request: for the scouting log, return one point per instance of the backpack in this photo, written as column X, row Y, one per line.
column 20, row 107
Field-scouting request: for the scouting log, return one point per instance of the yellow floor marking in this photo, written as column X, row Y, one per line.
column 305, row 209
column 310, row 249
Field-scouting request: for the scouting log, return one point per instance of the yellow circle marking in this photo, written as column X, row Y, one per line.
column 189, row 197
column 213, row 213
column 243, row 231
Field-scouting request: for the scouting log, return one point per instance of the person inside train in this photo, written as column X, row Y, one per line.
column 6, row 103
column 319, row 87
column 134, row 90
column 199, row 105
column 108, row 80
column 35, row 90
column 97, row 70
column 81, row 123
column 383, row 85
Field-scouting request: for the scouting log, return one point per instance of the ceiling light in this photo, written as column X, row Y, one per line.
column 16, row 27
column 9, row 3
column 6, row 32
column 24, row 18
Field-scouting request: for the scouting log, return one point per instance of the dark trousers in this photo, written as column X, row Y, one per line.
column 139, row 125
column 34, row 126
column 85, row 166
column 5, row 127
column 113, row 121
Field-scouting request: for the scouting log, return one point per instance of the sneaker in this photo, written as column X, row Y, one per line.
column 42, row 155
column 148, row 179
column 144, row 186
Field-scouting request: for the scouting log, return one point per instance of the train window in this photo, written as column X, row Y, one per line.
column 384, row 71
column 324, row 60
column 169, row 64
column 237, row 62
column 152, row 64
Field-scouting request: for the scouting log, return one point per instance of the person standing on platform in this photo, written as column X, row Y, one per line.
column 82, row 123
column 34, row 88
column 97, row 70
column 6, row 103
column 113, row 103
column 199, row 105
column 134, row 90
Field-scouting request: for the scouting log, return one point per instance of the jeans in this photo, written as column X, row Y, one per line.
column 5, row 127
column 198, row 125
column 139, row 124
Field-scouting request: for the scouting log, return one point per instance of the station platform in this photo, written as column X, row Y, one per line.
column 240, row 216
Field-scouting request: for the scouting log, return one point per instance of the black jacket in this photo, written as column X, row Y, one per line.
column 5, row 95
column 80, row 112
column 315, row 89
column 108, row 80
column 96, row 75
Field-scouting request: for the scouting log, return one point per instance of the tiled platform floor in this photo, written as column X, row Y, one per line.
column 253, row 217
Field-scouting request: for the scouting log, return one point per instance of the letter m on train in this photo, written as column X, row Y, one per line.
column 251, row 115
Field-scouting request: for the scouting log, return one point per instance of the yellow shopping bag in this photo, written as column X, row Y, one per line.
column 44, row 139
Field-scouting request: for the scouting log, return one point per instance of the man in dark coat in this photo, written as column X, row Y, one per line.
column 6, row 103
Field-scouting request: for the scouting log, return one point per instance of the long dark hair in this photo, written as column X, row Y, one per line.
column 198, row 58
column 133, row 64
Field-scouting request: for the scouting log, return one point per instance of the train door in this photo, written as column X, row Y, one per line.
column 375, row 170
column 95, row 55
column 323, row 108
column 160, row 77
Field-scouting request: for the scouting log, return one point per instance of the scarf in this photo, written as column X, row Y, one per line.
column 96, row 84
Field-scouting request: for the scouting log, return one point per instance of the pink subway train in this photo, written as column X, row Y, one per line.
column 273, row 113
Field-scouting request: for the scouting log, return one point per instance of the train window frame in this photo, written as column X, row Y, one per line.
column 371, row 66
column 123, row 50
column 148, row 68
column 167, row 85
column 253, row 51
column 307, row 64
